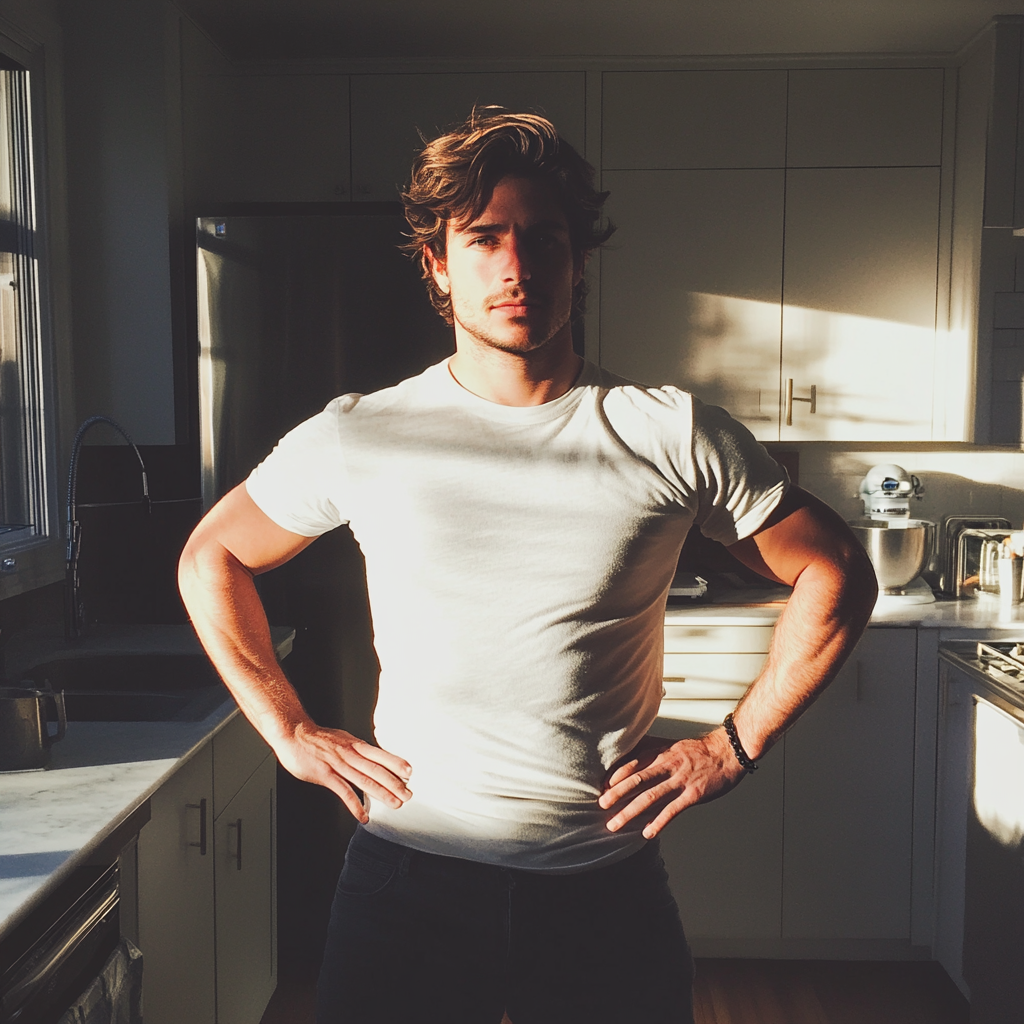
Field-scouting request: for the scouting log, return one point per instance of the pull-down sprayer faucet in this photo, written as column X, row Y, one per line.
column 74, row 613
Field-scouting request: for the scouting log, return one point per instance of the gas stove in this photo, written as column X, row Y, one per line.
column 997, row 663
column 1003, row 660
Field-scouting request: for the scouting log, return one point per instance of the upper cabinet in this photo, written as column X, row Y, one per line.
column 267, row 138
column 390, row 111
column 876, row 117
column 801, row 260
column 858, row 319
column 693, row 119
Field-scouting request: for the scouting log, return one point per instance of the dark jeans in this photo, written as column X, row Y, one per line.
column 420, row 939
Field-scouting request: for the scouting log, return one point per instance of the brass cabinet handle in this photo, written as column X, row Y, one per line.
column 201, row 808
column 813, row 400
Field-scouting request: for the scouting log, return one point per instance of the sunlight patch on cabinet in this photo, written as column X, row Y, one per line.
column 998, row 763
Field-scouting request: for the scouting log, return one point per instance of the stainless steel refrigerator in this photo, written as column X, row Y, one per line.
column 293, row 311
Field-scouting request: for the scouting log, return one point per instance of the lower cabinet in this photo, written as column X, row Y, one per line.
column 207, row 886
column 245, row 876
column 812, row 854
column 849, row 792
column 176, row 898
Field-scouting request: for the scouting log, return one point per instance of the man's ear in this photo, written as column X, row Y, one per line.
column 438, row 270
column 579, row 268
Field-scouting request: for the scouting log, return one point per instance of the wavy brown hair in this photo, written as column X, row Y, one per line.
column 454, row 176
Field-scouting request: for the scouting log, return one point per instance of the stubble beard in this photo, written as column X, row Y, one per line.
column 535, row 341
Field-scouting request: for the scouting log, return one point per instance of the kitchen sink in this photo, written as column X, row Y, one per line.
column 132, row 687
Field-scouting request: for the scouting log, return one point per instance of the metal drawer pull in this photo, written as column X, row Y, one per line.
column 201, row 808
column 237, row 826
column 813, row 400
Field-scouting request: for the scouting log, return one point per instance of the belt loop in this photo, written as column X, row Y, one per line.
column 403, row 867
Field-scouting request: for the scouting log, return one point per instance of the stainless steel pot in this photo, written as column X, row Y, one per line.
column 898, row 553
column 25, row 738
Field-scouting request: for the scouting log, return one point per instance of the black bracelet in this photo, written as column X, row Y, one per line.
column 737, row 747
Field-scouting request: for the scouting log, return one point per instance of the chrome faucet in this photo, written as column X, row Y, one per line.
column 74, row 612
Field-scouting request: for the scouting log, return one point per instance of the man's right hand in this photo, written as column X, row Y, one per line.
column 337, row 760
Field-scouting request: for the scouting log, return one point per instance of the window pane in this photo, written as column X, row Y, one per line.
column 22, row 470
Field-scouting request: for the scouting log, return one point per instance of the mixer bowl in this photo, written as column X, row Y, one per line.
column 898, row 553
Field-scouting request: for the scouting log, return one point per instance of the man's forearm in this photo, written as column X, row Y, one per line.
column 227, row 615
column 821, row 623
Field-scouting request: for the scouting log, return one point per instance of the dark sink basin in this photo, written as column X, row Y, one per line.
column 132, row 687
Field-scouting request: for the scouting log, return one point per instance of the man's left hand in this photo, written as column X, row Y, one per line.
column 684, row 773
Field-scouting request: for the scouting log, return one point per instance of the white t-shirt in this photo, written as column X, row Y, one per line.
column 517, row 561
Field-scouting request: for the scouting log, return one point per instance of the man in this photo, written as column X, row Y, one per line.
column 521, row 515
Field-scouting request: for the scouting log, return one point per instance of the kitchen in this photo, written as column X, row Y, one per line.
column 205, row 130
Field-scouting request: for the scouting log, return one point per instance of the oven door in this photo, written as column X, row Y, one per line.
column 41, row 984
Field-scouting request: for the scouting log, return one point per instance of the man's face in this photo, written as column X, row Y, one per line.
column 510, row 272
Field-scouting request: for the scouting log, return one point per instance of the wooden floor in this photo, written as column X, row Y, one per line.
column 825, row 992
column 768, row 992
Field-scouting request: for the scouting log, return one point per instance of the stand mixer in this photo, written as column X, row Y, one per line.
column 899, row 547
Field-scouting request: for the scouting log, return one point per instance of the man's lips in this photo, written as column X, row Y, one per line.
column 517, row 305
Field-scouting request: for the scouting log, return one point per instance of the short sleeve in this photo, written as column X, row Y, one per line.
column 739, row 484
column 301, row 484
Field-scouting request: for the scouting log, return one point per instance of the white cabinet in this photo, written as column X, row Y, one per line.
column 693, row 119
column 245, row 874
column 207, row 926
column 865, row 117
column 858, row 321
column 176, row 898
column 811, row 854
column 750, row 254
column 691, row 286
column 728, row 887
column 953, row 800
column 388, row 112
column 268, row 138
column 849, row 799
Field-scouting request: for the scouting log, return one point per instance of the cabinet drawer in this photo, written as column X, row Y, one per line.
column 710, row 639
column 705, row 712
column 740, row 669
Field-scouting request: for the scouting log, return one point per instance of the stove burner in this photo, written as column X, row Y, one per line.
column 1004, row 661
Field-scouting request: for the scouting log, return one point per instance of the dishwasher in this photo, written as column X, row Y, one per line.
column 66, row 962
column 991, row 679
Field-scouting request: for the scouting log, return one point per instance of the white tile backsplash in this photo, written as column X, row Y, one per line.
column 955, row 482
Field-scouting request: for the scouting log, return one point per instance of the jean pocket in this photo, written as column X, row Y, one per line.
column 364, row 875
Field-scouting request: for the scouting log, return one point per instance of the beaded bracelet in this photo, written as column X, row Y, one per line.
column 737, row 747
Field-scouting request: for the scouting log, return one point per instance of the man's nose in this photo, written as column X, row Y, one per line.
column 518, row 265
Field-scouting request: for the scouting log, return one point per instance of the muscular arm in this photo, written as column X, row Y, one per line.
column 803, row 544
column 234, row 542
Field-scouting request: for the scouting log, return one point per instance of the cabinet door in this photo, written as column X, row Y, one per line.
column 245, row 838
column 389, row 111
column 953, row 801
column 860, row 298
column 865, row 117
column 176, row 917
column 268, row 138
column 849, row 799
column 692, row 283
column 691, row 119
column 724, row 859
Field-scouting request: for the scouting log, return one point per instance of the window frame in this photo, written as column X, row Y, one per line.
column 37, row 560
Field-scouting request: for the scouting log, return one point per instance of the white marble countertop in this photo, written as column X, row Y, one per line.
column 762, row 607
column 51, row 820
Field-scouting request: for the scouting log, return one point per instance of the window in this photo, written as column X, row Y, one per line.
column 24, row 473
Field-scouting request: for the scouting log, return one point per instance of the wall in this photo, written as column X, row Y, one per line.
column 957, row 481
column 119, row 55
